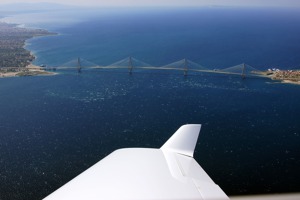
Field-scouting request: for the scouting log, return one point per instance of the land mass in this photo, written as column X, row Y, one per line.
column 15, row 60
column 285, row 76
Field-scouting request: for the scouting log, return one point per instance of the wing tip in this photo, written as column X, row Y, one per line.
column 184, row 140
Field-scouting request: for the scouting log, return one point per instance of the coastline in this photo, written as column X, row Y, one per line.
column 286, row 76
column 283, row 76
column 15, row 59
column 30, row 70
column 291, row 82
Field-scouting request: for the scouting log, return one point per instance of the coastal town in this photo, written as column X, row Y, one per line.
column 15, row 60
column 285, row 76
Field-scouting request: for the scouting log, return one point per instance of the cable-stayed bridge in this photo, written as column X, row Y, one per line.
column 131, row 63
column 184, row 65
column 242, row 69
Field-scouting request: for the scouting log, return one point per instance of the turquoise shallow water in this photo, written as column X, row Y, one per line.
column 54, row 127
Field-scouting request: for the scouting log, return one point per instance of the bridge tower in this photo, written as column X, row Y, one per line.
column 78, row 65
column 185, row 68
column 243, row 71
column 130, row 65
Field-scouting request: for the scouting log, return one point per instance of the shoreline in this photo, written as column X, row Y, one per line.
column 283, row 76
column 290, row 82
column 30, row 70
column 15, row 59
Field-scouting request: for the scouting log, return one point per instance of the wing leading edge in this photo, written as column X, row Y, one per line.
column 170, row 172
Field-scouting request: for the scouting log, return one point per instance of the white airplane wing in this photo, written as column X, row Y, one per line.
column 167, row 173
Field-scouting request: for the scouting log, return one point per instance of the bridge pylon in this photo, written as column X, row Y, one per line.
column 78, row 65
column 130, row 65
column 185, row 68
column 243, row 71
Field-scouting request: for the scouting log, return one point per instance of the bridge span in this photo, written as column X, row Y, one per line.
column 183, row 65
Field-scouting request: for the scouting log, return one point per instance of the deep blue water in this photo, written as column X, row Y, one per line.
column 215, row 38
column 52, row 128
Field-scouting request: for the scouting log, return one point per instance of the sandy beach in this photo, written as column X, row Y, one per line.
column 30, row 70
column 291, row 82
column 9, row 74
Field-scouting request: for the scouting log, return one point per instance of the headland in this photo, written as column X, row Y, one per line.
column 15, row 60
column 285, row 76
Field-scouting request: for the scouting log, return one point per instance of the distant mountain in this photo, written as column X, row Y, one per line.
column 15, row 8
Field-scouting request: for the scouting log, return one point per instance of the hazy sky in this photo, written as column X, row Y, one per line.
column 289, row 3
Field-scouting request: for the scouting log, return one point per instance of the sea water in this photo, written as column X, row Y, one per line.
column 54, row 127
